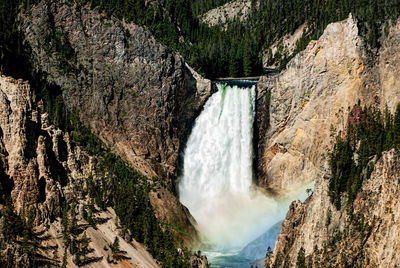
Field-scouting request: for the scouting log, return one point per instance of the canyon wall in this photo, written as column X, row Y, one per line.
column 367, row 237
column 137, row 96
column 299, row 109
column 309, row 103
column 42, row 169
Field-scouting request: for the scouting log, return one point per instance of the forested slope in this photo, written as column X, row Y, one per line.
column 238, row 50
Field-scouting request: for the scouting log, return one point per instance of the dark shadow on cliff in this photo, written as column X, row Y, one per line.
column 260, row 127
column 6, row 183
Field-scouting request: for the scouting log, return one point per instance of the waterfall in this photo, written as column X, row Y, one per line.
column 216, row 184
column 237, row 220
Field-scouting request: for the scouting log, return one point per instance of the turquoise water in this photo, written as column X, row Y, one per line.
column 250, row 255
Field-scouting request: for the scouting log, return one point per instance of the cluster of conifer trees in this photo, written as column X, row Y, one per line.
column 17, row 229
column 353, row 157
column 211, row 50
column 238, row 50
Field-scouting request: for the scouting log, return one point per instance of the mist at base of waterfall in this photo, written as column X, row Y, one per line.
column 217, row 182
column 253, row 253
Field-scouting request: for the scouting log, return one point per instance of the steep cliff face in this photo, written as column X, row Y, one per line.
column 46, row 175
column 136, row 96
column 367, row 237
column 388, row 68
column 309, row 100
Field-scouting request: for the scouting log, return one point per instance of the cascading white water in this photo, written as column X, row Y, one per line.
column 216, row 184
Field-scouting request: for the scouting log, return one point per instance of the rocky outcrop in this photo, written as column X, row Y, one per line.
column 223, row 15
column 42, row 171
column 136, row 96
column 309, row 100
column 29, row 144
column 284, row 47
column 368, row 237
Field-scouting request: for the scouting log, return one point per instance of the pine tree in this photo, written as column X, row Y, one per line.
column 396, row 126
column 247, row 60
column 301, row 259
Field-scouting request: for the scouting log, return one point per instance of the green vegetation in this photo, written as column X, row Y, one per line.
column 116, row 253
column 352, row 159
column 199, row 7
column 18, row 229
column 211, row 50
column 301, row 259
column 75, row 239
column 238, row 50
column 88, row 215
